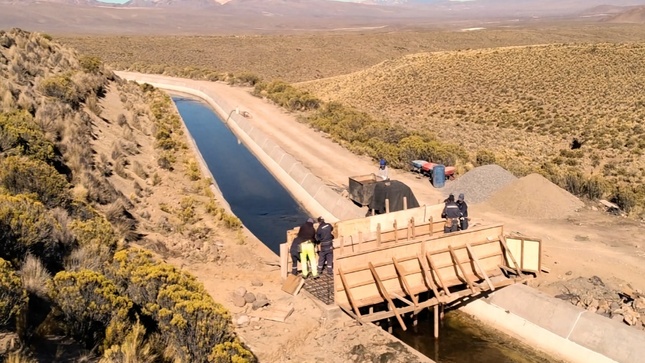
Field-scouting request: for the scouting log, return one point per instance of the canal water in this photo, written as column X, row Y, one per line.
column 268, row 210
column 264, row 206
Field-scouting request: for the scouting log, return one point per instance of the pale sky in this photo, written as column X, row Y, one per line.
column 114, row 1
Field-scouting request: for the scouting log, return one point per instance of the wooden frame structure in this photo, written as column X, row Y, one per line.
column 403, row 268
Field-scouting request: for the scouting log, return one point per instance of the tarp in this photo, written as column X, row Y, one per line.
column 394, row 191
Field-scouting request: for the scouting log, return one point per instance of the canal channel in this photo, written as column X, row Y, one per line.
column 267, row 209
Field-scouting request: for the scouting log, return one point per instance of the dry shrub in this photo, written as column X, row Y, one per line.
column 139, row 170
column 19, row 356
column 135, row 348
column 34, row 276
column 12, row 296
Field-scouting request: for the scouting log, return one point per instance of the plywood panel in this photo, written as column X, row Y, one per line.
column 531, row 256
column 514, row 247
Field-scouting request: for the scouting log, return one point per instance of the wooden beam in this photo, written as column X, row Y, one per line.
column 401, row 272
column 350, row 298
column 436, row 321
column 405, row 203
column 462, row 269
column 436, row 272
column 427, row 275
column 502, row 239
column 387, row 206
column 349, row 312
column 387, row 297
column 431, row 227
column 479, row 267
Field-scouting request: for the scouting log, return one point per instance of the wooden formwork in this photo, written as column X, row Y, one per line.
column 404, row 266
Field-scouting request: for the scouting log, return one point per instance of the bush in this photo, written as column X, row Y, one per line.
column 26, row 225
column 90, row 64
column 90, row 302
column 19, row 135
column 62, row 88
column 12, row 296
column 190, row 322
column 485, row 157
column 94, row 232
column 24, row 175
column 34, row 276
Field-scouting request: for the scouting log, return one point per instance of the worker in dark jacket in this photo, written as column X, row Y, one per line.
column 463, row 209
column 304, row 241
column 325, row 240
column 451, row 214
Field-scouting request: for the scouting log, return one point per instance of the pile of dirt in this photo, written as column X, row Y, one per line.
column 480, row 183
column 535, row 197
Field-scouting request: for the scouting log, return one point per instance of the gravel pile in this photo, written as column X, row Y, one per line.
column 535, row 197
column 480, row 183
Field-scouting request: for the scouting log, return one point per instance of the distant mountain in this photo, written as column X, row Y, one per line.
column 634, row 15
column 171, row 3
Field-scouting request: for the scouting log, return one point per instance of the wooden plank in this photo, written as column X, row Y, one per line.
column 293, row 284
column 385, row 294
column 431, row 227
column 349, row 312
column 461, row 268
column 350, row 298
column 406, row 285
column 436, row 272
column 471, row 251
column 502, row 239
column 274, row 313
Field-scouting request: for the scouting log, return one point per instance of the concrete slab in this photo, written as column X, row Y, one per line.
column 552, row 314
column 610, row 338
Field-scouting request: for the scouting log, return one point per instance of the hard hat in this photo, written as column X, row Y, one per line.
column 382, row 162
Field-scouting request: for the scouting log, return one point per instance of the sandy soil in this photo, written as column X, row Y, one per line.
column 591, row 243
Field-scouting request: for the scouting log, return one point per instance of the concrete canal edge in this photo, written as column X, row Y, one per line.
column 546, row 323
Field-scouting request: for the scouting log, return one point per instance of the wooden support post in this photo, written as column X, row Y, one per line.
column 387, row 206
column 405, row 203
column 414, row 235
column 436, row 321
column 408, row 231
column 348, row 292
column 479, row 267
column 502, row 239
column 284, row 260
column 436, row 272
column 386, row 295
column 404, row 281
column 470, row 284
column 378, row 235
column 431, row 226
column 396, row 232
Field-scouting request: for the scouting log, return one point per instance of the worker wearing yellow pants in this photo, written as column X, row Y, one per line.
column 308, row 251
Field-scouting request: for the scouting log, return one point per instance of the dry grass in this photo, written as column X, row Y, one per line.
column 34, row 276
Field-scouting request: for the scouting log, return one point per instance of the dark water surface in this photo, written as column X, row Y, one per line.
column 464, row 340
column 268, row 210
column 255, row 196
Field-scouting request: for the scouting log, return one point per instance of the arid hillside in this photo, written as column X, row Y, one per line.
column 89, row 172
column 573, row 112
column 315, row 55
